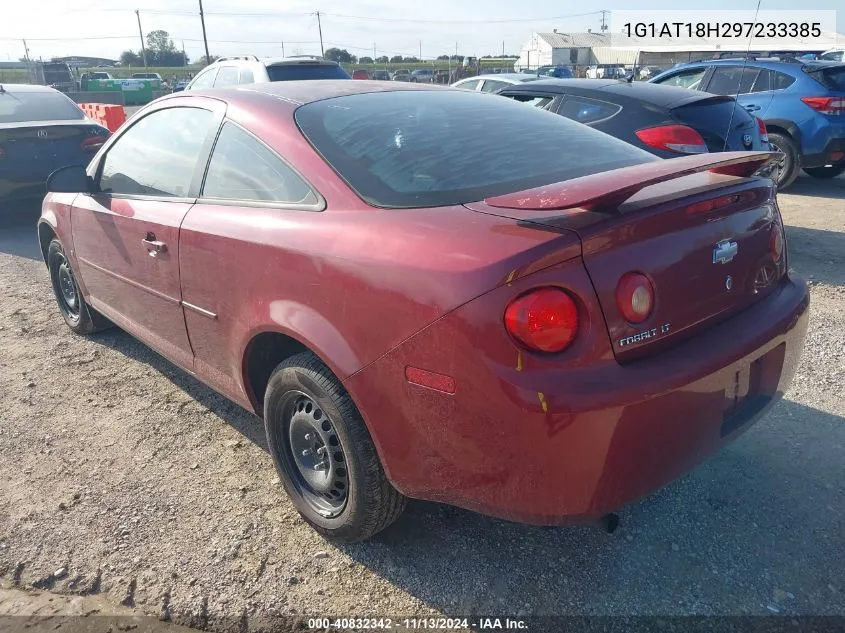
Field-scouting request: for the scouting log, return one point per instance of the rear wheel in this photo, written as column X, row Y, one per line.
column 79, row 316
column 324, row 453
column 830, row 171
column 788, row 166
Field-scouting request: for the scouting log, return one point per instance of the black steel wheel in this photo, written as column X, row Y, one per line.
column 324, row 454
column 78, row 315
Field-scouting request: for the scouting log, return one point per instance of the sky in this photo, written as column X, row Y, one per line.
column 105, row 28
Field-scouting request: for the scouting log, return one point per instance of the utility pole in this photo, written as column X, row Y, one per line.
column 503, row 48
column 184, row 57
column 420, row 50
column 204, row 38
column 320, row 29
column 374, row 52
column 283, row 49
column 604, row 26
column 26, row 50
column 141, row 33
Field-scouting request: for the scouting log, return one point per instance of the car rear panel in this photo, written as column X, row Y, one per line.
column 716, row 118
column 31, row 152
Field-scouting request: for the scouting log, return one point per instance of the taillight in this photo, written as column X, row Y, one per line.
column 634, row 297
column 776, row 241
column 93, row 143
column 545, row 320
column 675, row 138
column 826, row 105
column 764, row 133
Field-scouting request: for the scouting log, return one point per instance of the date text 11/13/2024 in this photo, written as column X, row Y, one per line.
column 431, row 624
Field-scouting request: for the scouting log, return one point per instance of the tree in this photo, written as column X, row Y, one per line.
column 365, row 60
column 162, row 52
column 131, row 58
column 382, row 60
column 339, row 55
column 411, row 60
column 443, row 57
column 204, row 61
column 396, row 59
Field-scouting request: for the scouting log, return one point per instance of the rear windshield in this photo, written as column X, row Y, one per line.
column 293, row 72
column 832, row 78
column 16, row 107
column 404, row 149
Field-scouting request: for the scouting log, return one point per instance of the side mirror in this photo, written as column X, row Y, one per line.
column 70, row 179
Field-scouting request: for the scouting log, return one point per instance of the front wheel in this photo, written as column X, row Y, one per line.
column 324, row 454
column 78, row 315
column 830, row 171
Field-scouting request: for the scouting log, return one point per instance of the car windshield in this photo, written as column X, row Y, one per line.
column 16, row 107
column 405, row 149
column 293, row 72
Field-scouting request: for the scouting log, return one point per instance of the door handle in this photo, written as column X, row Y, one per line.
column 154, row 246
column 751, row 107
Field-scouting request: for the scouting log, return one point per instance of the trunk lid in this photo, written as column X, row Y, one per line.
column 702, row 239
column 711, row 117
column 48, row 145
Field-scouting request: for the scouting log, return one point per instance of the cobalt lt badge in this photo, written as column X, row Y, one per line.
column 725, row 251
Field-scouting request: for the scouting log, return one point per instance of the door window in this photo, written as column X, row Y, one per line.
column 243, row 168
column 158, row 155
column 732, row 80
column 228, row 76
column 205, row 79
column 690, row 78
column 538, row 101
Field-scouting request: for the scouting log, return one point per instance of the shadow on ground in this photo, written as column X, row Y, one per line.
column 18, row 233
column 817, row 254
column 759, row 522
column 818, row 187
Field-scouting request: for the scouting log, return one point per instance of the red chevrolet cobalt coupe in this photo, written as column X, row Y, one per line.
column 437, row 294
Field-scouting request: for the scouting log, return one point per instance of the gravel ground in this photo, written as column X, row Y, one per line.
column 125, row 479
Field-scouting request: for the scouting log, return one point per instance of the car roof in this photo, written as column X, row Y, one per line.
column 656, row 94
column 518, row 77
column 26, row 88
column 305, row 91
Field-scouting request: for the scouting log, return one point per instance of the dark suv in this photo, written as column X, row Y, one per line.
column 423, row 76
column 801, row 102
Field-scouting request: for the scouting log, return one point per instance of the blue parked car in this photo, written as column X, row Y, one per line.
column 558, row 72
column 802, row 103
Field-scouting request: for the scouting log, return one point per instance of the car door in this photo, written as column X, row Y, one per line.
column 126, row 233
column 748, row 84
column 232, row 249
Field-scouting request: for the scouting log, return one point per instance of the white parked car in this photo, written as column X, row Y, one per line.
column 494, row 82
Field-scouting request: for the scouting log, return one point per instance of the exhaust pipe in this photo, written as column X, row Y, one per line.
column 609, row 522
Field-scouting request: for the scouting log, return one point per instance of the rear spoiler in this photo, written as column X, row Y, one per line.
column 607, row 190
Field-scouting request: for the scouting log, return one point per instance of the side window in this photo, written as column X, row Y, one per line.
column 690, row 78
column 538, row 101
column 586, row 110
column 833, row 56
column 469, row 85
column 491, row 85
column 158, row 155
column 781, row 80
column 730, row 80
column 205, row 79
column 764, row 81
column 243, row 168
column 246, row 76
column 228, row 76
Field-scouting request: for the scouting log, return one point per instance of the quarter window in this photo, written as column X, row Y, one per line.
column 246, row 76
column 586, row 110
column 243, row 168
column 472, row 84
column 491, row 85
column 158, row 155
column 731, row 80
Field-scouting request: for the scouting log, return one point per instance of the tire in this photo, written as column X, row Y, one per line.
column 79, row 316
column 789, row 166
column 831, row 171
column 343, row 491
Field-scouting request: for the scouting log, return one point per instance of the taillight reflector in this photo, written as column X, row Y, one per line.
column 764, row 133
column 826, row 105
column 634, row 297
column 674, row 138
column 545, row 320
column 430, row 379
column 706, row 206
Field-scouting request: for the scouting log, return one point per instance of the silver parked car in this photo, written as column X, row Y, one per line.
column 494, row 82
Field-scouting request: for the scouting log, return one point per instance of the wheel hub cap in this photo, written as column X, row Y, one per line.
column 67, row 286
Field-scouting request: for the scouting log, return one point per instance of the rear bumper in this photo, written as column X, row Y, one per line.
column 553, row 447
column 828, row 155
